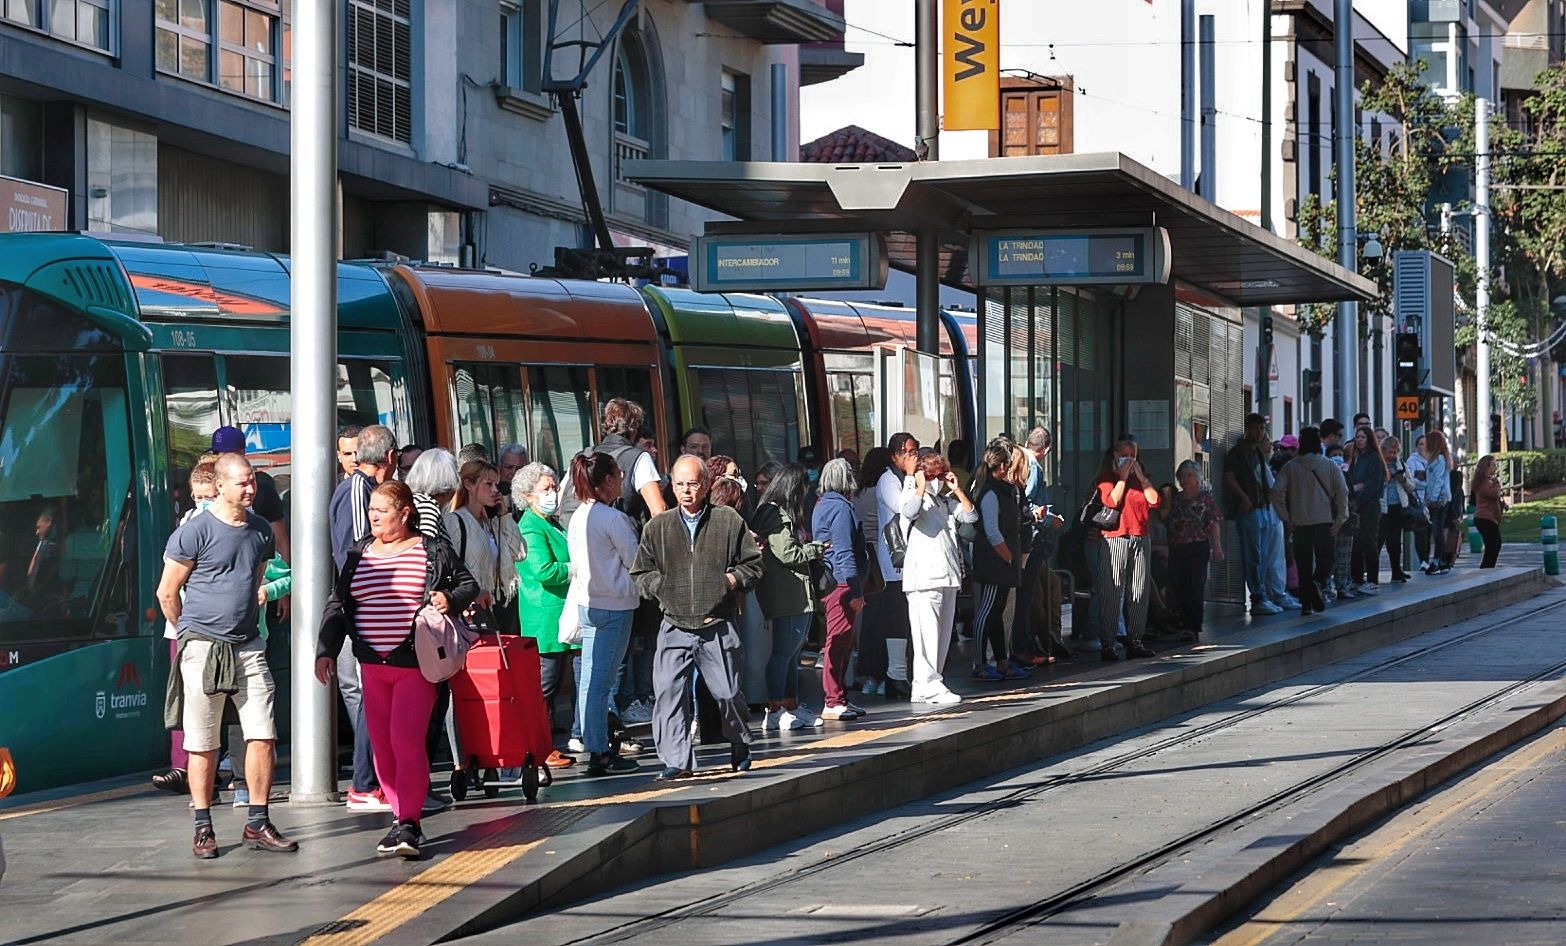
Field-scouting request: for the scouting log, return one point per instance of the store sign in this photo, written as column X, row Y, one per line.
column 970, row 64
column 1072, row 257
column 30, row 206
column 769, row 263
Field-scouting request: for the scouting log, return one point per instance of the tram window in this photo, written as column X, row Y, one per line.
column 853, row 411
column 753, row 415
column 365, row 395
column 191, row 406
column 922, row 407
column 261, row 404
column 489, row 405
column 562, row 418
column 65, row 481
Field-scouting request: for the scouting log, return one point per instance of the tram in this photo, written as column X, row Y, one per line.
column 118, row 360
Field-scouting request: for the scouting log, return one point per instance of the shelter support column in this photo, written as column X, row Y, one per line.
column 927, row 293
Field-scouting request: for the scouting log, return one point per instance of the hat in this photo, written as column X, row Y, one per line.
column 1289, row 442
column 228, row 440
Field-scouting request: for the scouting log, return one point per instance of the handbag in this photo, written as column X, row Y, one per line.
column 569, row 628
column 896, row 541
column 1097, row 515
column 441, row 643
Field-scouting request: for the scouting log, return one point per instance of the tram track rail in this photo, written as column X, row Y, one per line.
column 1004, row 926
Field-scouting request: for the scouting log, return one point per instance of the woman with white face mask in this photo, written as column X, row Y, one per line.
column 545, row 578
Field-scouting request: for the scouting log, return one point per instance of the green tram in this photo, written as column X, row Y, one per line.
column 117, row 361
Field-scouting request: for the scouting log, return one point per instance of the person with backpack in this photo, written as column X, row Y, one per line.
column 620, row 423
column 1311, row 496
column 786, row 593
column 385, row 580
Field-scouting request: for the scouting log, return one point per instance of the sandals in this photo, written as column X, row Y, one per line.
column 174, row 781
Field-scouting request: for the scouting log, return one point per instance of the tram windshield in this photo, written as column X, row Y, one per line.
column 65, row 474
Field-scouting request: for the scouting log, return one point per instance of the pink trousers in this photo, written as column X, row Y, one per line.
column 397, row 705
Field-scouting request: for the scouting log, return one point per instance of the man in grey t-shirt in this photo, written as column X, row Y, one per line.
column 217, row 560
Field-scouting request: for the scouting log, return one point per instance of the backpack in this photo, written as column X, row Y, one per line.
column 626, row 456
column 441, row 642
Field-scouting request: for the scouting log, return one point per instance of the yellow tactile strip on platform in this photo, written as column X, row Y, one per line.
column 442, row 880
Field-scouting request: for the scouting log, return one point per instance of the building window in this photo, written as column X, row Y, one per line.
column 1036, row 118
column 81, row 21
column 521, row 45
column 632, row 136
column 1288, row 415
column 247, row 47
column 735, row 116
column 185, row 38
column 380, row 68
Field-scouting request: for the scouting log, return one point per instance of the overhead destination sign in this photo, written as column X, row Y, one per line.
column 1072, row 257
column 769, row 263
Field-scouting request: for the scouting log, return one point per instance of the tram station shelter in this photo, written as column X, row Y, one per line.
column 1071, row 347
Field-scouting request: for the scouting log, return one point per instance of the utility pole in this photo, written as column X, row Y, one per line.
column 313, row 375
column 1345, row 330
column 1482, row 259
column 927, row 275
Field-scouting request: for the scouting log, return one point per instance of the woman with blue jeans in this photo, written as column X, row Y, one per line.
column 1438, row 499
column 786, row 593
column 601, row 541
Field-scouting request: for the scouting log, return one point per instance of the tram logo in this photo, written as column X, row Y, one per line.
column 129, row 677
column 102, row 703
column 125, row 705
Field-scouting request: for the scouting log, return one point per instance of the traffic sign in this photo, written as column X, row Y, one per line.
column 1408, row 408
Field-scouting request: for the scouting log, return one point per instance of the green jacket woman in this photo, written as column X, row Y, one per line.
column 546, row 577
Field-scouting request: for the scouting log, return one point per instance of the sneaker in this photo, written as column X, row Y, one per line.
column 987, row 674
column 1288, row 603
column 629, row 746
column 609, row 764
column 403, row 841
column 576, row 745
column 873, row 688
column 770, row 722
column 510, row 776
column 637, row 712
column 1347, row 592
column 860, row 710
column 1368, row 588
column 1265, row 607
column 388, row 844
column 434, row 803
column 807, row 716
column 739, row 756
column 367, row 801
column 843, row 713
column 1138, row 649
column 790, row 720
column 943, row 698
column 242, row 798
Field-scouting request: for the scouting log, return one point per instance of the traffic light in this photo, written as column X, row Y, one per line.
column 1312, row 382
column 1407, row 382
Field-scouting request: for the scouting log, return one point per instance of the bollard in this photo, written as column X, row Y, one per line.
column 1475, row 540
column 1547, row 537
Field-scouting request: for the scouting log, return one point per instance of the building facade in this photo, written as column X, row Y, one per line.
column 169, row 118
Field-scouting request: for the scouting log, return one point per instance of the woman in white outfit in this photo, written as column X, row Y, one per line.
column 933, row 505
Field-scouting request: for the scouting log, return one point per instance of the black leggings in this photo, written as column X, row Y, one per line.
column 1314, row 547
column 1490, row 531
column 1188, row 577
column 989, row 622
column 1392, row 541
column 1364, row 559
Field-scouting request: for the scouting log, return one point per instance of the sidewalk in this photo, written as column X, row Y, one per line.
column 111, row 862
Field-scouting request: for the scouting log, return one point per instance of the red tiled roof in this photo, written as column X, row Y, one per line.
column 854, row 145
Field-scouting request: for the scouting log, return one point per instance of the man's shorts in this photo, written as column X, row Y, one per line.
column 203, row 717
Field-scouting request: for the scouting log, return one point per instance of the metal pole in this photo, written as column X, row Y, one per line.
column 1209, row 99
column 1188, row 94
column 1482, row 259
column 1345, row 329
column 312, row 372
column 927, row 267
column 1264, row 315
column 780, row 112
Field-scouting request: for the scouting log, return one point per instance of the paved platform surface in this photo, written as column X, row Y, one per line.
column 1478, row 862
column 111, row 862
column 956, row 867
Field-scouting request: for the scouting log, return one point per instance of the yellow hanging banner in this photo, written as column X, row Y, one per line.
column 970, row 64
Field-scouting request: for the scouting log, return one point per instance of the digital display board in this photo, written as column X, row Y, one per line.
column 1072, row 257
column 767, row 263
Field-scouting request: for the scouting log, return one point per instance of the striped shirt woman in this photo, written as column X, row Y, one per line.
column 389, row 589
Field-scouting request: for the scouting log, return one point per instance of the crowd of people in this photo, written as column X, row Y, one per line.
column 651, row 596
